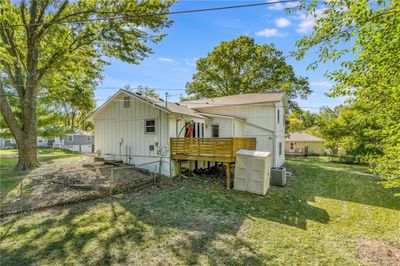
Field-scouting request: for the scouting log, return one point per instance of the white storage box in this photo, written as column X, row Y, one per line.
column 252, row 171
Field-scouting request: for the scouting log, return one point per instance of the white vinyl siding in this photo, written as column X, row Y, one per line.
column 114, row 123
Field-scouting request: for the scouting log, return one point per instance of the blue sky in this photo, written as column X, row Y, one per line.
column 194, row 35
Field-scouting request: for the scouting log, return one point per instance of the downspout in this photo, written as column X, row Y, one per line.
column 160, row 145
column 169, row 144
column 274, row 137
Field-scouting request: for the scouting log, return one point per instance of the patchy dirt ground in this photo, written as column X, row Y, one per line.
column 71, row 180
column 377, row 252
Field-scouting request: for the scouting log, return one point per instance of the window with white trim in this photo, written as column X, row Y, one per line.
column 70, row 138
column 150, row 126
column 88, row 138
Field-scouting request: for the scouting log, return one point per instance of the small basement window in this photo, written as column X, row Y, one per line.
column 127, row 102
column 150, row 126
column 215, row 131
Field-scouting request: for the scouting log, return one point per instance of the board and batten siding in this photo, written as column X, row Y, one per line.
column 261, row 121
column 121, row 131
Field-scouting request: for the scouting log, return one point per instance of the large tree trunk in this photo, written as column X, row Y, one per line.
column 27, row 152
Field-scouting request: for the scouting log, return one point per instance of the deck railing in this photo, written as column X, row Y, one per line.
column 212, row 149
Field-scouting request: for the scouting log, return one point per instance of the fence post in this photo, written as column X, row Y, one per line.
column 155, row 174
column 111, row 179
column 22, row 193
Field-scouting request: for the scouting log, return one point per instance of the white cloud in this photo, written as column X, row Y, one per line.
column 191, row 61
column 321, row 84
column 282, row 22
column 165, row 59
column 282, row 6
column 270, row 33
column 307, row 22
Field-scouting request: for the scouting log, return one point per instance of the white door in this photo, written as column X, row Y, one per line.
column 291, row 147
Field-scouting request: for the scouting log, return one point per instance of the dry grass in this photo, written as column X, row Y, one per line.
column 66, row 181
column 318, row 218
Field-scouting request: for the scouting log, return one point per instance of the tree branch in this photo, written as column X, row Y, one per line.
column 8, row 114
column 55, row 57
column 54, row 20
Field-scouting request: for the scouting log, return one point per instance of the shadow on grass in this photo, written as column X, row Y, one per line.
column 185, row 223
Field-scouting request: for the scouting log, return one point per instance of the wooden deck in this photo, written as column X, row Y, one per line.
column 210, row 149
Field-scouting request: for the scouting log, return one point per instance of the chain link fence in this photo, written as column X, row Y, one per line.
column 67, row 187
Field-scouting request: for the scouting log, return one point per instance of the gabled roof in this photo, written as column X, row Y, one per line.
column 239, row 99
column 168, row 107
column 80, row 132
column 303, row 136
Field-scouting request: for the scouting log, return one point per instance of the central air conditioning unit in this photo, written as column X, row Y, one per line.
column 278, row 176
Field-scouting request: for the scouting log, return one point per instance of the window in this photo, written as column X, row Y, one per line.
column 280, row 148
column 12, row 141
column 291, row 145
column 70, row 138
column 150, row 126
column 215, row 131
column 127, row 102
column 88, row 138
column 279, row 116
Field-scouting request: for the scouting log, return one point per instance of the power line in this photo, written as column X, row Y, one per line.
column 134, row 89
column 188, row 11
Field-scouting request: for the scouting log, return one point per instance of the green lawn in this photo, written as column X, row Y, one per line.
column 321, row 217
column 42, row 151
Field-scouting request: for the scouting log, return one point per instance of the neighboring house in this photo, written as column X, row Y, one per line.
column 301, row 143
column 1, row 143
column 137, row 129
column 8, row 143
column 79, row 141
column 11, row 143
column 43, row 142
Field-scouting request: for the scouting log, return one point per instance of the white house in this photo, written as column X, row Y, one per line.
column 78, row 141
column 137, row 129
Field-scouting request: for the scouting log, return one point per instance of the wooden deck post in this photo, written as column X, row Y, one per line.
column 179, row 168
column 228, row 175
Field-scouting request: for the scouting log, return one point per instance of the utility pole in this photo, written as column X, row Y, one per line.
column 166, row 99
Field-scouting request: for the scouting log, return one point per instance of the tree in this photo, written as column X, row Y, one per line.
column 370, row 31
column 42, row 37
column 147, row 91
column 242, row 66
column 300, row 120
